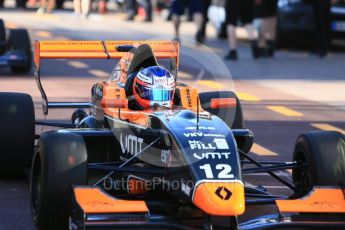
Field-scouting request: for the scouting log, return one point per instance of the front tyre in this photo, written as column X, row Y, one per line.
column 60, row 161
column 321, row 156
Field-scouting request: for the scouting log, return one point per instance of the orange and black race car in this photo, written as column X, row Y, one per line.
column 181, row 167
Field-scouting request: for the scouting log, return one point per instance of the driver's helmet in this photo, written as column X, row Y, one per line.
column 154, row 86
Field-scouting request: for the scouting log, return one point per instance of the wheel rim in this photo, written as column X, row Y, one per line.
column 302, row 176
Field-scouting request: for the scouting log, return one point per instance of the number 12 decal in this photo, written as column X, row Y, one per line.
column 222, row 169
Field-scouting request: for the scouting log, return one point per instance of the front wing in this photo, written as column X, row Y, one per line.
column 94, row 209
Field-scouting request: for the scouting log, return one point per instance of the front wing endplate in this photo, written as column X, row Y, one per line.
column 319, row 200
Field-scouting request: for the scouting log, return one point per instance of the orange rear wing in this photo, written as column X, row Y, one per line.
column 99, row 49
column 93, row 50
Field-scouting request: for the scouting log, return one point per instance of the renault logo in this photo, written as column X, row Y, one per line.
column 223, row 193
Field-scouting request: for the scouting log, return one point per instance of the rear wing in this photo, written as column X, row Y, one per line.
column 92, row 50
column 99, row 49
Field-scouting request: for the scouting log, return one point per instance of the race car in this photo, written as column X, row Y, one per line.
column 15, row 52
column 178, row 167
column 296, row 23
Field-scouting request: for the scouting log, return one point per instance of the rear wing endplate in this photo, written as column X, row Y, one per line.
column 93, row 50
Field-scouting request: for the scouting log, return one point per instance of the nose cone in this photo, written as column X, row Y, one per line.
column 220, row 198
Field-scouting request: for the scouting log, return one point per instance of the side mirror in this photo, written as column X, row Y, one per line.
column 114, row 103
column 219, row 103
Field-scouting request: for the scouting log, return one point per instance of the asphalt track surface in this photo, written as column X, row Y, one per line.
column 281, row 98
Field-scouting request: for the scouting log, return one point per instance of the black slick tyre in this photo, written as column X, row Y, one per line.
column 19, row 40
column 17, row 132
column 321, row 156
column 60, row 161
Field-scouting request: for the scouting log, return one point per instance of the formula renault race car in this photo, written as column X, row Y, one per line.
column 15, row 52
column 178, row 168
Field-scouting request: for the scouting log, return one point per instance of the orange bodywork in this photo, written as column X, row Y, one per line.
column 218, row 103
column 114, row 103
column 189, row 97
column 98, row 49
column 319, row 200
column 93, row 200
column 114, row 95
column 220, row 198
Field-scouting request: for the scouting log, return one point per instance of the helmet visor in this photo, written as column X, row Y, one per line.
column 155, row 94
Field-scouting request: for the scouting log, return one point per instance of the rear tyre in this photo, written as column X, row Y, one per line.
column 322, row 158
column 59, row 162
column 233, row 117
column 19, row 40
column 17, row 132
column 2, row 37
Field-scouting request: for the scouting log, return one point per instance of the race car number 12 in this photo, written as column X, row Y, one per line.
column 222, row 169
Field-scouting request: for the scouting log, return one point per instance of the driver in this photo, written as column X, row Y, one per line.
column 154, row 87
